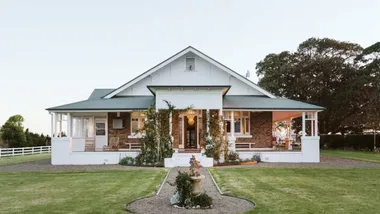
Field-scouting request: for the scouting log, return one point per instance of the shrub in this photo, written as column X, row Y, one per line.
column 209, row 148
column 232, row 156
column 203, row 200
column 126, row 161
column 349, row 142
column 184, row 186
column 256, row 157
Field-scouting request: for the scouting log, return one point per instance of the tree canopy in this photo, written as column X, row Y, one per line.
column 340, row 76
column 13, row 134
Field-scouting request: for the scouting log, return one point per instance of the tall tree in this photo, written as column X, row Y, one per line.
column 319, row 72
column 12, row 132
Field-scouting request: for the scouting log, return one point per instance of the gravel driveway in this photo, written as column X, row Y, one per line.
column 160, row 203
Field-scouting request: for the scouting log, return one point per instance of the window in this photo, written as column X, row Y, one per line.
column 190, row 64
column 227, row 120
column 137, row 121
column 85, row 127
column 88, row 127
column 77, row 127
column 241, row 119
column 100, row 129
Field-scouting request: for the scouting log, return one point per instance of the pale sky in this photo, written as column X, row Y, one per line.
column 57, row 52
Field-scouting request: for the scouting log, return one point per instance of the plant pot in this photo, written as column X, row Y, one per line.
column 197, row 184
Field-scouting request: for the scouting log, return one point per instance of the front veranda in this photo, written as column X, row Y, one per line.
column 106, row 137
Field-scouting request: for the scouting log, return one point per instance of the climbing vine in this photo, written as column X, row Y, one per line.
column 216, row 139
column 156, row 143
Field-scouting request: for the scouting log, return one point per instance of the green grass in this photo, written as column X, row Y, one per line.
column 356, row 155
column 22, row 159
column 75, row 192
column 304, row 190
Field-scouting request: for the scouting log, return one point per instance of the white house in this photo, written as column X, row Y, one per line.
column 100, row 130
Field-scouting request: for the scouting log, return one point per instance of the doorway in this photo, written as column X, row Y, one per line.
column 100, row 134
column 190, row 132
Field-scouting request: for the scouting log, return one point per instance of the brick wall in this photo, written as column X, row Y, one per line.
column 121, row 133
column 175, row 129
column 261, row 130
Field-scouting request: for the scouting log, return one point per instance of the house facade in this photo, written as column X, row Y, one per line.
column 102, row 129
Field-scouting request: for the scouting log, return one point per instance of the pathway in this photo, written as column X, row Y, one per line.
column 160, row 202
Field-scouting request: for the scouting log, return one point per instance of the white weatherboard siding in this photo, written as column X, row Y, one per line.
column 308, row 154
column 62, row 154
column 199, row 99
column 175, row 73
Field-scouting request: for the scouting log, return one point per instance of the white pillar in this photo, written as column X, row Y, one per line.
column 60, row 125
column 232, row 125
column 56, row 127
column 311, row 127
column 52, row 126
column 303, row 124
column 316, row 123
column 68, row 125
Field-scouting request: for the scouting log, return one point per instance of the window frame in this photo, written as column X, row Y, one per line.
column 186, row 68
column 141, row 117
column 242, row 117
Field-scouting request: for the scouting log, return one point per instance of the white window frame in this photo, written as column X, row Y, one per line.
column 195, row 64
column 141, row 115
column 229, row 118
column 83, row 128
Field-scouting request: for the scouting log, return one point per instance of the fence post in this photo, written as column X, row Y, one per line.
column 40, row 149
column 32, row 150
column 22, row 151
column 13, row 152
column 1, row 151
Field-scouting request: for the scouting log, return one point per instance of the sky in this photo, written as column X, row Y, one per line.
column 57, row 52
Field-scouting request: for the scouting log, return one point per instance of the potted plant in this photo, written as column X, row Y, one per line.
column 196, row 177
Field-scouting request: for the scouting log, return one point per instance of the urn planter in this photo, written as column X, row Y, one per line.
column 197, row 184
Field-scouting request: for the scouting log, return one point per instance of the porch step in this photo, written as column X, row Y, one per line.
column 182, row 160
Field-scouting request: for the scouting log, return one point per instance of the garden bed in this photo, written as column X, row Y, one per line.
column 235, row 163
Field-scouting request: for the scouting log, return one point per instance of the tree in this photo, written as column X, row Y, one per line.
column 322, row 72
column 12, row 132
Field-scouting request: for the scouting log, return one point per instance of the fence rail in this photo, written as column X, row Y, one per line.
column 10, row 152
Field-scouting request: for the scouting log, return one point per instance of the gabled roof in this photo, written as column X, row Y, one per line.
column 265, row 103
column 180, row 54
column 99, row 93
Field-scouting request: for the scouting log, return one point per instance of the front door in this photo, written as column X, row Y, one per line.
column 190, row 132
column 100, row 134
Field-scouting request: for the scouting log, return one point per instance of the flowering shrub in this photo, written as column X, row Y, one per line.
column 194, row 166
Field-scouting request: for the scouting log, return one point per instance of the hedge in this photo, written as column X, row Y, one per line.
column 349, row 142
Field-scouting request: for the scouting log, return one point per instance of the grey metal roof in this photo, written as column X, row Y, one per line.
column 99, row 93
column 260, row 102
column 116, row 103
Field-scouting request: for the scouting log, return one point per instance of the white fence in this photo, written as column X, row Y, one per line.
column 7, row 152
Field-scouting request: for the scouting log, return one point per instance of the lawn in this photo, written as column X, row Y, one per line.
column 303, row 190
column 356, row 155
column 22, row 159
column 76, row 192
